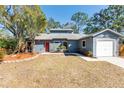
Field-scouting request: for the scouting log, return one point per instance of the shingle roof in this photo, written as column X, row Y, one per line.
column 71, row 36
column 68, row 36
column 97, row 33
column 115, row 32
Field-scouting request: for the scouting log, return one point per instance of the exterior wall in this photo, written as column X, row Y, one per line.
column 107, row 36
column 39, row 46
column 53, row 46
column 89, row 44
column 76, row 45
column 73, row 46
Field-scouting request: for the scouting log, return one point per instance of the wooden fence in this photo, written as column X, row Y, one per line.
column 121, row 50
column 3, row 50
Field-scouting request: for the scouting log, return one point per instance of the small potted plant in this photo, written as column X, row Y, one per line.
column 58, row 49
column 89, row 53
column 63, row 48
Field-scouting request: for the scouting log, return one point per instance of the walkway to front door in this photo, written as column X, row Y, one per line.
column 114, row 60
column 47, row 46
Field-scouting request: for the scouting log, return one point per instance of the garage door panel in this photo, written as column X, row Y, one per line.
column 104, row 48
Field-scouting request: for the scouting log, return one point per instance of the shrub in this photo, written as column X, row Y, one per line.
column 9, row 44
column 61, row 48
column 87, row 53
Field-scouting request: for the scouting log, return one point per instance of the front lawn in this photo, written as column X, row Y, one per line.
column 61, row 71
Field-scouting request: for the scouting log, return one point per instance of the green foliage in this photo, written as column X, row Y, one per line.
column 22, row 21
column 2, row 43
column 51, row 24
column 87, row 53
column 61, row 48
column 35, row 20
column 80, row 20
column 70, row 26
column 8, row 44
column 112, row 17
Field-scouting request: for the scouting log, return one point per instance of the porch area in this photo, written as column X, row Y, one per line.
column 53, row 46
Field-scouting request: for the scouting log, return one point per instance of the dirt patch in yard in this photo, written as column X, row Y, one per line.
column 61, row 71
column 18, row 56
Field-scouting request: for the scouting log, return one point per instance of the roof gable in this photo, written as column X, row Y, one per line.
column 69, row 36
column 114, row 32
column 72, row 36
column 100, row 32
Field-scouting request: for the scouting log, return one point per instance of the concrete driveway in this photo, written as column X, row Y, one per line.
column 114, row 60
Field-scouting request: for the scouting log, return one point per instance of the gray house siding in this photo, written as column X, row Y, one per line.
column 89, row 44
column 39, row 46
column 107, row 36
column 53, row 46
column 73, row 46
column 92, row 41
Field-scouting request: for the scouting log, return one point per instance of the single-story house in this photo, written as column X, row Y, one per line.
column 102, row 43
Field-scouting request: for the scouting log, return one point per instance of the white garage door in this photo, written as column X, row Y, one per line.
column 104, row 48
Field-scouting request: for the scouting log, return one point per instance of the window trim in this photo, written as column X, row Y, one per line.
column 82, row 43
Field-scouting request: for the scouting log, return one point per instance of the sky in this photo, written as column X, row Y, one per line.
column 63, row 13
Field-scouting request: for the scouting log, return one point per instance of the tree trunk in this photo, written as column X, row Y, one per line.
column 20, row 44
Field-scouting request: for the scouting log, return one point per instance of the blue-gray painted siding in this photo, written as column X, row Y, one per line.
column 89, row 44
column 73, row 46
column 107, row 34
column 76, row 45
column 39, row 47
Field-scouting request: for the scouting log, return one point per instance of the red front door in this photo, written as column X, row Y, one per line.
column 47, row 46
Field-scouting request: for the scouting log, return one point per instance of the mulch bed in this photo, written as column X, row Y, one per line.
column 18, row 56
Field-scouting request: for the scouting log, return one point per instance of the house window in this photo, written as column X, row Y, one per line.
column 84, row 44
column 56, row 41
column 37, row 42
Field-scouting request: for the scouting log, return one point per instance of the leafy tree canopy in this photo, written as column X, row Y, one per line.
column 70, row 25
column 80, row 20
column 22, row 21
column 51, row 24
column 112, row 17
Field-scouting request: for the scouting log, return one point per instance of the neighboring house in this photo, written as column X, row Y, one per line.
column 102, row 43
